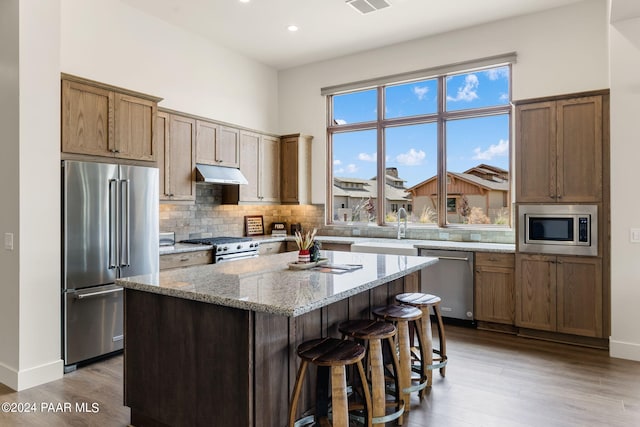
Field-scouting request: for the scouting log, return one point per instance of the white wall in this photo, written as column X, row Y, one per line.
column 625, row 196
column 9, row 190
column 559, row 51
column 30, row 292
column 111, row 42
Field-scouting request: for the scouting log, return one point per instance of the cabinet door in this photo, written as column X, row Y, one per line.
column 579, row 136
column 250, row 148
column 134, row 128
column 228, row 147
column 162, row 136
column 206, row 140
column 536, row 292
column 87, row 120
column 579, row 284
column 289, row 178
column 536, row 152
column 494, row 292
column 181, row 158
column 269, row 165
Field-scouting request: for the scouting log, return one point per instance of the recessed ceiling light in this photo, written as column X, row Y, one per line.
column 244, row 1
column 292, row 28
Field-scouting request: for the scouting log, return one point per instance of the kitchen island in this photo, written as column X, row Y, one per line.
column 215, row 344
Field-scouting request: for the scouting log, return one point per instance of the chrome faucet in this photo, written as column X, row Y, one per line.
column 402, row 232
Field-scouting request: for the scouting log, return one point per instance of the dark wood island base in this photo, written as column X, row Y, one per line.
column 191, row 363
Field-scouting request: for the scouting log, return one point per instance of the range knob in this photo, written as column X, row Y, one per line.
column 225, row 249
column 239, row 247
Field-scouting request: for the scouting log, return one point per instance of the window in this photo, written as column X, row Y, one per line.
column 438, row 145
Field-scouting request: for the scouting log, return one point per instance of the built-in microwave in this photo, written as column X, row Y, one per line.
column 558, row 229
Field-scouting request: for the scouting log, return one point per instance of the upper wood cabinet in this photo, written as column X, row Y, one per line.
column 176, row 156
column 560, row 294
column 295, row 184
column 99, row 120
column 559, row 150
column 260, row 164
column 494, row 290
column 217, row 145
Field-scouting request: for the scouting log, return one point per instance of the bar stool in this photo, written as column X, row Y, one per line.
column 335, row 354
column 376, row 334
column 401, row 316
column 424, row 302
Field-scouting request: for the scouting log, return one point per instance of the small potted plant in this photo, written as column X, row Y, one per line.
column 305, row 241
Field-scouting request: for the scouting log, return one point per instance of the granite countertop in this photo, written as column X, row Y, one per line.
column 266, row 284
column 420, row 244
column 184, row 247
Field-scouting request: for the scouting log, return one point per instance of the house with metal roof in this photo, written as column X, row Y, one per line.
column 483, row 188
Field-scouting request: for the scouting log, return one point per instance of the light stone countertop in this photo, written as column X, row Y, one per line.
column 266, row 284
column 420, row 244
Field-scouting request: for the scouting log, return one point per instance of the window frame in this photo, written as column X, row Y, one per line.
column 440, row 117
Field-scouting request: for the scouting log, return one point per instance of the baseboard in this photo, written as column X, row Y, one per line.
column 8, row 376
column 21, row 380
column 624, row 350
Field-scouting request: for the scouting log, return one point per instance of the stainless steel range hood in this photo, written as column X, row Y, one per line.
column 219, row 175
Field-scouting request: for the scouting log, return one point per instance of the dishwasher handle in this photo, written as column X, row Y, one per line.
column 454, row 258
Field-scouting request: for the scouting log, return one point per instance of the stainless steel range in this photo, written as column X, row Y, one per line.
column 229, row 248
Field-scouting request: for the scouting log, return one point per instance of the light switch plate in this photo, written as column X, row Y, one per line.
column 8, row 241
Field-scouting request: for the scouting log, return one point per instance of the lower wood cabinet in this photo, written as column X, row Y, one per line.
column 185, row 259
column 270, row 248
column 494, row 290
column 343, row 247
column 560, row 294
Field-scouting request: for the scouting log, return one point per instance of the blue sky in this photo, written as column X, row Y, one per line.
column 412, row 149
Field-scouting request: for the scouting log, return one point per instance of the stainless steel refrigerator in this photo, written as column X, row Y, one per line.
column 109, row 230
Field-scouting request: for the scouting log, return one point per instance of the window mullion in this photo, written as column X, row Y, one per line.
column 380, row 206
column 442, row 156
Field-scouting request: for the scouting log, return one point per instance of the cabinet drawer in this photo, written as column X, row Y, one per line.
column 271, row 248
column 495, row 260
column 185, row 259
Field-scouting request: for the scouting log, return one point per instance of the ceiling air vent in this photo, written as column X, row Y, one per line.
column 366, row 6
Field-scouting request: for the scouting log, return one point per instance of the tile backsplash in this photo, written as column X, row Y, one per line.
column 208, row 217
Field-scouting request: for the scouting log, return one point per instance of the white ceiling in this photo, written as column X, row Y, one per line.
column 328, row 28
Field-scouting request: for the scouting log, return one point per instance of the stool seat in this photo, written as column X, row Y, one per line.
column 365, row 329
column 394, row 313
column 417, row 299
column 331, row 356
column 331, row 352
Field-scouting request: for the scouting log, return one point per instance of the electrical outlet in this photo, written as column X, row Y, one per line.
column 355, row 232
column 634, row 235
column 444, row 236
column 475, row 237
column 8, row 241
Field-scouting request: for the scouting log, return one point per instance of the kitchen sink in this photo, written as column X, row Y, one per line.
column 389, row 248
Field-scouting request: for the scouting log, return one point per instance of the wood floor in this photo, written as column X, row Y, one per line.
column 492, row 380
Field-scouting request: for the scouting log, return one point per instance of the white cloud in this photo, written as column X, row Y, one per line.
column 366, row 157
column 411, row 157
column 497, row 73
column 352, row 168
column 340, row 121
column 468, row 91
column 420, row 91
column 337, row 162
column 504, row 97
column 494, row 150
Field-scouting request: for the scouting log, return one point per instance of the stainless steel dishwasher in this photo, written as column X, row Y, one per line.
column 451, row 278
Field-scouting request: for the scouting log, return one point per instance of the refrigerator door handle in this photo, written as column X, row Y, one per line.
column 125, row 254
column 113, row 224
column 98, row 293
